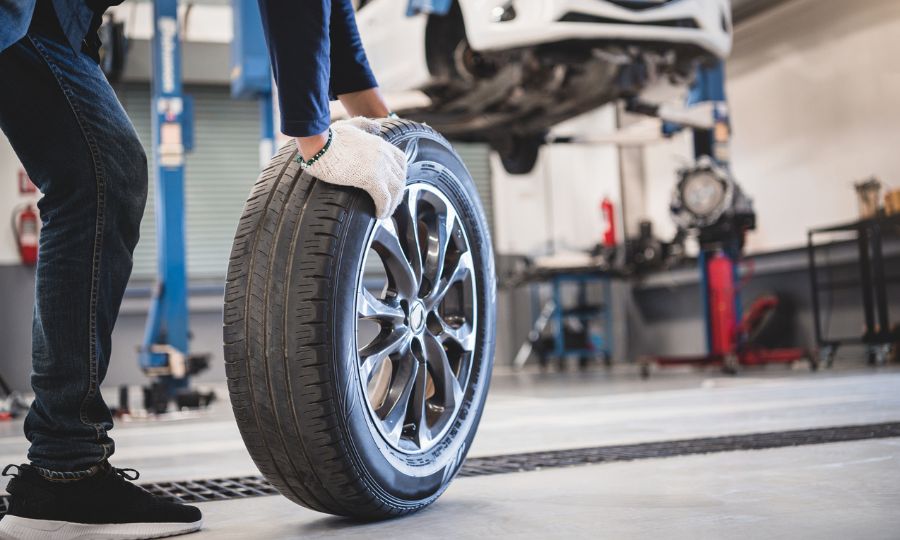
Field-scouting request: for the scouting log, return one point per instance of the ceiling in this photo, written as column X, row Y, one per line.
column 744, row 9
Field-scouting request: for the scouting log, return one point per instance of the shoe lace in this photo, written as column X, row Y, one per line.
column 128, row 474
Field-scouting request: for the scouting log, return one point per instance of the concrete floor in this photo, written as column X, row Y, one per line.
column 844, row 490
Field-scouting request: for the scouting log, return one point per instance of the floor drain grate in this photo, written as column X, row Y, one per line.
column 220, row 489
column 534, row 461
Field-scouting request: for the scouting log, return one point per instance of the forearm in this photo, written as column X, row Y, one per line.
column 310, row 146
column 369, row 103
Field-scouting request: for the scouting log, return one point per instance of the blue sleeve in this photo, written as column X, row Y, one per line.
column 350, row 70
column 315, row 52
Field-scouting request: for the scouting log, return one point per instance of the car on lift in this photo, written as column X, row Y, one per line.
column 505, row 71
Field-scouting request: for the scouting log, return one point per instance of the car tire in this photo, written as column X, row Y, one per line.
column 294, row 303
column 519, row 154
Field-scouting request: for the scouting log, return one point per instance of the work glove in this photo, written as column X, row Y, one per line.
column 358, row 158
column 366, row 124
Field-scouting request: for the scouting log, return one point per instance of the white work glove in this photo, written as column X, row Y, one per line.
column 357, row 158
column 366, row 124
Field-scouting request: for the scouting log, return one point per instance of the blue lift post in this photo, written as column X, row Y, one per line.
column 165, row 350
column 432, row 7
column 709, row 86
column 251, row 74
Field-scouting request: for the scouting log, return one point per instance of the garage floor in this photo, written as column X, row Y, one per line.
column 838, row 490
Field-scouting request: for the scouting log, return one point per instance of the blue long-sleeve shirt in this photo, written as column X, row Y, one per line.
column 316, row 54
column 77, row 18
column 314, row 45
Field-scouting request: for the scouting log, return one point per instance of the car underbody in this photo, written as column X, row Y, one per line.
column 511, row 98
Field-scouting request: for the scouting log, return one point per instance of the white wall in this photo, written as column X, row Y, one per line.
column 205, row 23
column 9, row 200
column 814, row 89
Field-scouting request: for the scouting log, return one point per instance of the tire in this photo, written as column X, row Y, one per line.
column 519, row 154
column 294, row 305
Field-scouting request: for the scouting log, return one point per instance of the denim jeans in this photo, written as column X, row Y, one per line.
column 74, row 139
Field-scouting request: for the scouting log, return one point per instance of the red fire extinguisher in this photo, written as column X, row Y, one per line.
column 26, row 227
column 609, row 218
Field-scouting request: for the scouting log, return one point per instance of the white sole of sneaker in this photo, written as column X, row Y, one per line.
column 19, row 528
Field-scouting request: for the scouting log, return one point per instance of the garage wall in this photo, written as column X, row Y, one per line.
column 9, row 200
column 813, row 87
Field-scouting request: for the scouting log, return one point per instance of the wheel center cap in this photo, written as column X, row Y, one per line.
column 417, row 317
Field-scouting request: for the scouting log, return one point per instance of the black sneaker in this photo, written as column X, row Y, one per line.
column 105, row 505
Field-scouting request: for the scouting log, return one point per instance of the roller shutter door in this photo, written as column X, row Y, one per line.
column 477, row 159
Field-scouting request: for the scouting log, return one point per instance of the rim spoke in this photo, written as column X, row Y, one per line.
column 372, row 308
column 461, row 270
column 441, row 372
column 400, row 273
column 417, row 405
column 408, row 223
column 438, row 242
column 393, row 412
column 463, row 335
column 372, row 354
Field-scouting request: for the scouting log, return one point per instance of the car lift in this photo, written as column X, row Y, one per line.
column 721, row 245
column 164, row 354
column 251, row 73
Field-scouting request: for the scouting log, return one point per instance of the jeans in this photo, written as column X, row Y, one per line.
column 74, row 139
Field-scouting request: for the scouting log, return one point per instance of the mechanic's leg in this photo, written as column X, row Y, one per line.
column 76, row 142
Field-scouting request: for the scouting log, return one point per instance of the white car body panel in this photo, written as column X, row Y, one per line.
column 395, row 44
column 537, row 22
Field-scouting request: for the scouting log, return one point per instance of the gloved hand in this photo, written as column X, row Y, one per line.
column 366, row 124
column 357, row 158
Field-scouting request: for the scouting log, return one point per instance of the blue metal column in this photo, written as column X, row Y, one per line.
column 709, row 86
column 251, row 74
column 167, row 326
column 608, row 339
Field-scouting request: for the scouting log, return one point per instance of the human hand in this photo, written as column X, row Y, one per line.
column 366, row 124
column 358, row 158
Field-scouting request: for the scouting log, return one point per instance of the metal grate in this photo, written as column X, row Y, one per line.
column 221, row 489
column 218, row 489
column 630, row 452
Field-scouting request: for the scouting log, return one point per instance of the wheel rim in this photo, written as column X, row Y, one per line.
column 416, row 331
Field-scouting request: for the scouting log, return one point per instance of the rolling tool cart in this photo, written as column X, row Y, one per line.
column 577, row 329
column 879, row 335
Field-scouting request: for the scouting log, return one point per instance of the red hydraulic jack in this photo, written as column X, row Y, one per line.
column 727, row 331
column 710, row 204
